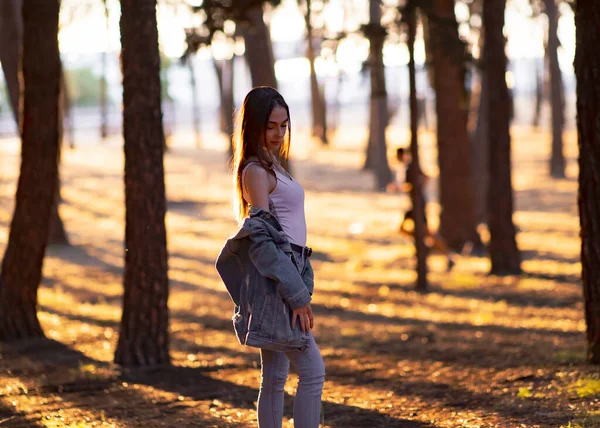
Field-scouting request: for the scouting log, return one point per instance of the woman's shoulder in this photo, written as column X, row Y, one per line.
column 256, row 173
column 257, row 176
column 254, row 166
column 255, row 170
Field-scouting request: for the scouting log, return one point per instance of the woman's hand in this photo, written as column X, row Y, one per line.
column 305, row 317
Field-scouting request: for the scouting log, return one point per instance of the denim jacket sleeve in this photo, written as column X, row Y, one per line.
column 308, row 276
column 272, row 262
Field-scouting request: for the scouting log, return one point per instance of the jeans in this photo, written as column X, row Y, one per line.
column 310, row 368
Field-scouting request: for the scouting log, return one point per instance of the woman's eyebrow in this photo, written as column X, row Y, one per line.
column 275, row 123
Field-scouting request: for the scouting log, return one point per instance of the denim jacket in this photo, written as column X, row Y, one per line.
column 265, row 284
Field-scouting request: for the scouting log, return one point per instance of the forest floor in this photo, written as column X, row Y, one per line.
column 475, row 351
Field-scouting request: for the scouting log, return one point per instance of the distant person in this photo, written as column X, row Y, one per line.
column 266, row 266
column 407, row 226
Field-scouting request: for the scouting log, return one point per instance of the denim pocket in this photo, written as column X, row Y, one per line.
column 269, row 318
column 275, row 320
column 273, row 329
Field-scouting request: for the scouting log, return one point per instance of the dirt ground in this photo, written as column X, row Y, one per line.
column 476, row 351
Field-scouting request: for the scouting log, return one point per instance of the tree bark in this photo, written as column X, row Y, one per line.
column 480, row 155
column 371, row 151
column 58, row 234
column 587, row 72
column 22, row 264
column 480, row 147
column 144, row 330
column 557, row 159
column 11, row 35
column 319, row 129
column 377, row 149
column 416, row 194
column 259, row 51
column 458, row 222
column 224, row 70
column 505, row 256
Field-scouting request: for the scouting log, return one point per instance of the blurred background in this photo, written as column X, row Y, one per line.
column 90, row 46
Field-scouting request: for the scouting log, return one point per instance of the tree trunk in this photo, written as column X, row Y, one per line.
column 416, row 193
column 587, row 71
column 11, row 35
column 259, row 51
column 13, row 30
column 371, row 151
column 317, row 98
column 195, row 105
column 224, row 70
column 504, row 253
column 369, row 164
column 144, row 330
column 480, row 149
column 480, row 155
column 58, row 234
column 22, row 264
column 557, row 159
column 323, row 111
column 458, row 223
column 378, row 105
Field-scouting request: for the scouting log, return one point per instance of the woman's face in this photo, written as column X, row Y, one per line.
column 276, row 129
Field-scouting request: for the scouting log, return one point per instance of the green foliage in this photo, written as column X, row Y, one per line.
column 84, row 86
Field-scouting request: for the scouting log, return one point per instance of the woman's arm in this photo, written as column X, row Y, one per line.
column 258, row 185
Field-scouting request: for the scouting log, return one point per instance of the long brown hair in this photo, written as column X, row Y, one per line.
column 250, row 134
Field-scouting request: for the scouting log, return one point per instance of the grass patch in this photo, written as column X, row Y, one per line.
column 590, row 420
column 569, row 357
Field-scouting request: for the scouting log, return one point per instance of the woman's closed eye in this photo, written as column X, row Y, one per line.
column 272, row 128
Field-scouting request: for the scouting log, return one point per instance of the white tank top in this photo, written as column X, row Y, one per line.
column 287, row 203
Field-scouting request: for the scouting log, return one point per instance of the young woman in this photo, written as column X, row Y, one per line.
column 266, row 266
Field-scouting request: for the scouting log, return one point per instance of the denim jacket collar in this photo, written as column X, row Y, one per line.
column 266, row 216
column 269, row 220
